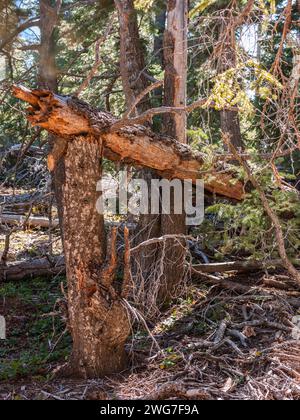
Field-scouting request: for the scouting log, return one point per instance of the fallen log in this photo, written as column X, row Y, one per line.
column 221, row 282
column 22, row 203
column 14, row 151
column 135, row 144
column 42, row 267
column 16, row 219
column 240, row 266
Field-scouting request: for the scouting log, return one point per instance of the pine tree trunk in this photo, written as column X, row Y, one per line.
column 230, row 120
column 133, row 67
column 175, row 61
column 47, row 75
column 99, row 323
column 47, row 79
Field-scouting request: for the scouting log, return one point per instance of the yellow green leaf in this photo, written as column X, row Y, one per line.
column 201, row 6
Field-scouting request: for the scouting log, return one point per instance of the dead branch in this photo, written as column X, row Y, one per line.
column 221, row 282
column 21, row 28
column 139, row 98
column 127, row 280
column 241, row 266
column 22, row 270
column 15, row 219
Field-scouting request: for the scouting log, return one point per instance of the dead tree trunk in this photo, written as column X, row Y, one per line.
column 175, row 60
column 175, row 94
column 98, row 321
column 41, row 267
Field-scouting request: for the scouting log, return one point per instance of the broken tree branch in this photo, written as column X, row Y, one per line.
column 25, row 25
column 139, row 98
column 137, row 145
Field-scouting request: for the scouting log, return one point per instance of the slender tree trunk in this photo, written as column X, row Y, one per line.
column 158, row 51
column 230, row 124
column 132, row 70
column 47, row 76
column 132, row 60
column 175, row 60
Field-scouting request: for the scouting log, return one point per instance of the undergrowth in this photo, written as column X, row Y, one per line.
column 36, row 337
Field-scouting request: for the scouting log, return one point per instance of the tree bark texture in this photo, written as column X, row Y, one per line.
column 230, row 120
column 47, row 76
column 132, row 60
column 98, row 321
column 175, row 62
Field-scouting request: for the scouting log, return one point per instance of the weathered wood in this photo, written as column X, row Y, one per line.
column 69, row 117
column 240, row 266
column 16, row 219
column 175, row 60
column 15, row 150
column 174, row 125
column 41, row 267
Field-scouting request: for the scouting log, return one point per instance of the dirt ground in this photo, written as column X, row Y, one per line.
column 215, row 342
column 212, row 344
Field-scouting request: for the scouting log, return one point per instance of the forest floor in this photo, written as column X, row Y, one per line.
column 212, row 344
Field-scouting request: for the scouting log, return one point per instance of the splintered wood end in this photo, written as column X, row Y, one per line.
column 26, row 95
